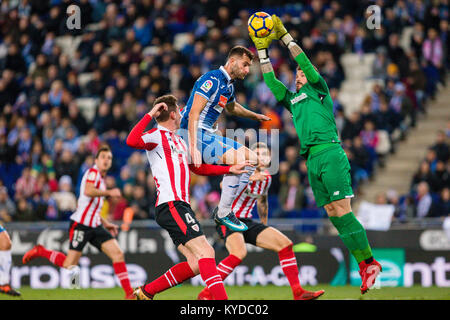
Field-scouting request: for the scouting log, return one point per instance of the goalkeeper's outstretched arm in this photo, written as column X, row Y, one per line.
column 311, row 73
column 277, row 87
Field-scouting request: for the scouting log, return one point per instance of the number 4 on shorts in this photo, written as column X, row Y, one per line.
column 189, row 218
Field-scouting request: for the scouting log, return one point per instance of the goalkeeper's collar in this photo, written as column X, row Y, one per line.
column 222, row 68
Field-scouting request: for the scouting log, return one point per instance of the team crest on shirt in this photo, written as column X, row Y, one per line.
column 195, row 227
column 92, row 175
column 207, row 85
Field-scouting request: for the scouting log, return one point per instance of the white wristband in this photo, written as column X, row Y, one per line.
column 262, row 54
column 287, row 38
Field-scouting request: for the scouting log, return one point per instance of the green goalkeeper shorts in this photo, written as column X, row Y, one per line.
column 329, row 175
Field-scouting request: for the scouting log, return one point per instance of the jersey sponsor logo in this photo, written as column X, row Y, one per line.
column 92, row 175
column 223, row 101
column 206, row 86
column 336, row 193
column 299, row 98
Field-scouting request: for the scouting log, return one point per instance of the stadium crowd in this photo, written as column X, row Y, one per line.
column 132, row 53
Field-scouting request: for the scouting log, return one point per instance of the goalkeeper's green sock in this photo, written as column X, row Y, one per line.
column 354, row 236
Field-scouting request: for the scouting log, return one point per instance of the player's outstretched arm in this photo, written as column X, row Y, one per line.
column 262, row 44
column 299, row 55
column 218, row 170
column 238, row 110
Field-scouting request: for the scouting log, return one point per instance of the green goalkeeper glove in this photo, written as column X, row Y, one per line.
column 262, row 44
column 280, row 31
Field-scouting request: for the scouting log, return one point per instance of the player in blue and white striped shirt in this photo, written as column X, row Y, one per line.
column 212, row 93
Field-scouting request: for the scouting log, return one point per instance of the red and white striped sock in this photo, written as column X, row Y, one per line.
column 120, row 269
column 227, row 265
column 212, row 278
column 174, row 276
column 55, row 257
column 289, row 266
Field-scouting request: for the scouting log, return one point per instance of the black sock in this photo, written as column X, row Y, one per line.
column 369, row 260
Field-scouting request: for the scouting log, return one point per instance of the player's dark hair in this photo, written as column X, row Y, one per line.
column 103, row 148
column 240, row 51
column 171, row 102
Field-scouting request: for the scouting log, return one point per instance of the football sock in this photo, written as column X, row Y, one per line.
column 353, row 235
column 120, row 269
column 227, row 265
column 230, row 184
column 289, row 266
column 5, row 266
column 212, row 278
column 55, row 257
column 174, row 276
column 244, row 178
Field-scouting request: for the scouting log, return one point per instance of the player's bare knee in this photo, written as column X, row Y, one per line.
column 193, row 264
column 284, row 243
column 206, row 252
column 331, row 211
column 341, row 207
column 240, row 253
column 117, row 256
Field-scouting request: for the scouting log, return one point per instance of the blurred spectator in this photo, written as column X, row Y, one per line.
column 423, row 174
column 25, row 184
column 24, row 211
column 423, row 200
column 441, row 147
column 140, row 203
column 441, row 207
column 291, row 194
column 7, row 206
column 65, row 198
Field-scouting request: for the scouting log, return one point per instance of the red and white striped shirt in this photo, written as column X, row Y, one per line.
column 167, row 155
column 246, row 200
column 88, row 208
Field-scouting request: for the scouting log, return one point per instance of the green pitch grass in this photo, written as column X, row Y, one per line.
column 188, row 292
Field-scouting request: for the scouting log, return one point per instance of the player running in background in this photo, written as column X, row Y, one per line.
column 167, row 155
column 258, row 233
column 5, row 263
column 86, row 225
column 212, row 93
column 328, row 167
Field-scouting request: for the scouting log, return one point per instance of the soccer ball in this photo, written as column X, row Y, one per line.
column 260, row 24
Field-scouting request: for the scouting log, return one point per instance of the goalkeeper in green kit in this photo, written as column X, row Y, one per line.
column 328, row 167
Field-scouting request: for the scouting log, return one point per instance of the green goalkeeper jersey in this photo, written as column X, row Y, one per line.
column 311, row 107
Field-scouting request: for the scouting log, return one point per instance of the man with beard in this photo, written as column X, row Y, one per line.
column 328, row 166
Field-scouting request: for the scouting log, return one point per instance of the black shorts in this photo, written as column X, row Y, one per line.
column 179, row 220
column 254, row 229
column 80, row 234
